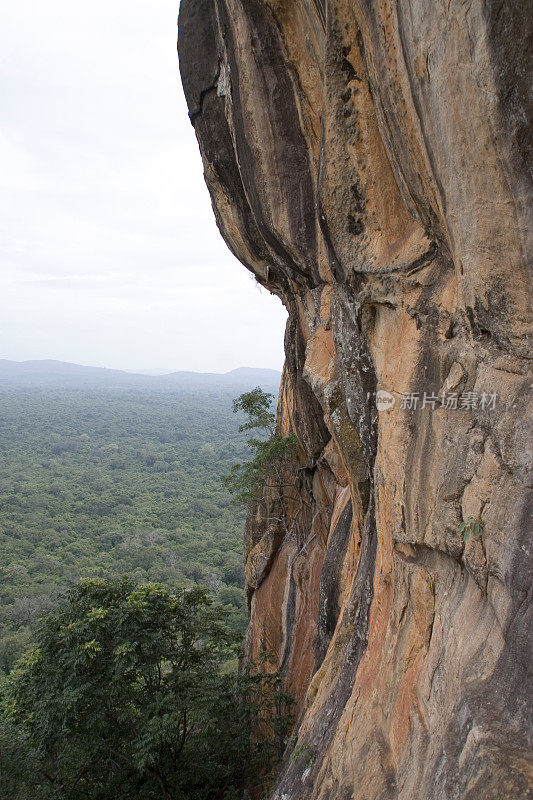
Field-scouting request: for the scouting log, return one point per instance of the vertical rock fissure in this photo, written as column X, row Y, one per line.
column 328, row 599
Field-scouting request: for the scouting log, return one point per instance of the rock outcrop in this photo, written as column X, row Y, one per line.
column 368, row 161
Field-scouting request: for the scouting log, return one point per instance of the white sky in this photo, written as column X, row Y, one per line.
column 109, row 252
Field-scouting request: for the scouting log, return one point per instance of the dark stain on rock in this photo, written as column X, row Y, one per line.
column 513, row 67
column 425, row 259
column 292, row 159
column 311, row 429
column 358, row 198
column 355, row 226
column 199, row 57
column 320, row 6
column 349, row 71
column 290, row 618
column 328, row 601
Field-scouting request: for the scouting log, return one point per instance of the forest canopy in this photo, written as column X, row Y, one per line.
column 101, row 483
column 125, row 695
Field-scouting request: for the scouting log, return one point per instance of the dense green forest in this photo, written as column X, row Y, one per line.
column 110, row 482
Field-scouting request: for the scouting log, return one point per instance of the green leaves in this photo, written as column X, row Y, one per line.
column 125, row 696
column 471, row 526
column 273, row 456
column 256, row 405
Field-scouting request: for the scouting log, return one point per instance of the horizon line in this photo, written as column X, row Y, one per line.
column 152, row 371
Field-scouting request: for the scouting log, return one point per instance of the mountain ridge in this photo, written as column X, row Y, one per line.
column 52, row 372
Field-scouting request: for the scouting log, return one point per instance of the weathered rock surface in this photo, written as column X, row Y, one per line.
column 368, row 162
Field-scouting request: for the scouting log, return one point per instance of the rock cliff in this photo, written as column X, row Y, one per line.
column 368, row 162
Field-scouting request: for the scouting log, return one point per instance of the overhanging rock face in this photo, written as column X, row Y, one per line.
column 368, row 162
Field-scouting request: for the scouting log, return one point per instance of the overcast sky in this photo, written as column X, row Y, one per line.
column 109, row 251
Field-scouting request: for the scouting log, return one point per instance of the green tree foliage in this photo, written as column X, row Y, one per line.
column 272, row 454
column 109, row 482
column 123, row 696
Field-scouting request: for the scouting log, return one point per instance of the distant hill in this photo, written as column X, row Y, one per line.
column 63, row 375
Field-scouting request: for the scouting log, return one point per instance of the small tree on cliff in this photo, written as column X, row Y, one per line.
column 273, row 454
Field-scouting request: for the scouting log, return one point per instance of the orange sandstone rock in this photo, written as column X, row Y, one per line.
column 368, row 162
